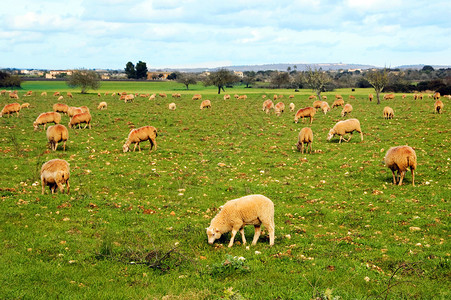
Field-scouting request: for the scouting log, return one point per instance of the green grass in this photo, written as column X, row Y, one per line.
column 342, row 228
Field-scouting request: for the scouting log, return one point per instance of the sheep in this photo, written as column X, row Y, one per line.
column 129, row 98
column 13, row 96
column 352, row 97
column 98, row 95
column 263, row 96
column 436, row 96
column 338, row 96
column 9, row 109
column 29, row 93
column 242, row 97
column 78, row 119
column 279, row 96
column 236, row 96
column 60, row 98
column 305, row 112
column 162, row 95
column 55, row 173
column 172, row 106
column 55, row 134
column 291, row 97
column 205, row 104
column 389, row 96
column 404, row 96
column 72, row 111
column 254, row 210
column 324, row 97
column 399, row 159
column 102, row 105
column 44, row 94
column 292, row 106
column 266, row 103
column 388, row 112
column 56, row 94
column 152, row 97
column 347, row 109
column 325, row 107
column 269, row 106
column 438, row 106
column 140, row 135
column 317, row 104
column 226, row 97
column 305, row 137
column 69, row 94
column 274, row 97
column 25, row 105
column 312, row 97
column 60, row 107
column 47, row 117
column 279, row 108
column 343, row 127
column 197, row 97
column 338, row 102
column 370, row 97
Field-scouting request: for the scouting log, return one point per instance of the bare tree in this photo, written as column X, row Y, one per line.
column 316, row 79
column 221, row 78
column 84, row 79
column 186, row 79
column 378, row 79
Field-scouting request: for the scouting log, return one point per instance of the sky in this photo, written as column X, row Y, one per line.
column 106, row 34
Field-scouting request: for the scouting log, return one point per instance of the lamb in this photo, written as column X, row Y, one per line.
column 317, row 104
column 72, row 111
column 308, row 112
column 78, row 119
column 388, row 112
column 312, row 97
column 292, row 106
column 438, row 106
column 343, row 127
column 254, row 210
column 172, row 106
column 55, row 134
column 140, row 135
column 102, row 105
column 55, row 173
column 305, row 137
column 325, row 107
column 279, row 108
column 338, row 102
column 60, row 107
column 399, row 159
column 197, row 97
column 47, row 117
column 9, row 109
column 226, row 97
column 25, row 105
column 347, row 109
column 205, row 104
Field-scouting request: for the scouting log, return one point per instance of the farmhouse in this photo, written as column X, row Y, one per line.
column 158, row 75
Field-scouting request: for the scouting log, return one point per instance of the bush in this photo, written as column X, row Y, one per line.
column 8, row 80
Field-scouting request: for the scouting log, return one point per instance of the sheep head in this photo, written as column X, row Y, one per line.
column 125, row 147
column 213, row 234
column 331, row 134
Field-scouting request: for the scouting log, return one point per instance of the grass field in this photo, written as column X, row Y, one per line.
column 133, row 226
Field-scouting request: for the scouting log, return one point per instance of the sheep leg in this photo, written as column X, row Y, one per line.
column 350, row 136
column 139, row 147
column 234, row 231
column 86, row 125
column 60, row 186
column 243, row 238
column 311, row 148
column 89, row 125
column 394, row 177
column 67, row 186
column 64, row 145
column 402, row 177
column 413, row 176
column 311, row 120
column 55, row 145
column 341, row 137
column 302, row 147
column 361, row 136
column 134, row 148
column 43, row 185
column 256, row 234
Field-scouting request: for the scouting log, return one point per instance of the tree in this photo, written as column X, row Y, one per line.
column 85, row 79
column 186, row 79
column 427, row 69
column 141, row 70
column 249, row 78
column 130, row 70
column 280, row 78
column 221, row 78
column 378, row 79
column 7, row 80
column 316, row 79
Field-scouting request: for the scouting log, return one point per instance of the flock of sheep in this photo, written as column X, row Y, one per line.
column 254, row 210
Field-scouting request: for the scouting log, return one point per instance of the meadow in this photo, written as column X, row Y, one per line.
column 133, row 226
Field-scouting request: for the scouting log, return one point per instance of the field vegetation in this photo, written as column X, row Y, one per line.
column 133, row 226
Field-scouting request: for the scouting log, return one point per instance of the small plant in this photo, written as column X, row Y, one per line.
column 232, row 264
column 229, row 293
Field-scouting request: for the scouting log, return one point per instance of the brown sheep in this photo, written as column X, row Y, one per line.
column 269, row 106
column 56, row 94
column 197, row 97
column 44, row 94
column 370, row 97
column 347, row 109
column 72, row 111
column 317, row 104
column 438, row 106
column 60, row 107
column 47, row 117
column 78, row 119
column 69, row 94
column 338, row 102
column 279, row 108
column 140, row 135
column 9, row 109
column 205, row 104
column 307, row 112
column 312, row 97
column 337, row 96
column 388, row 112
column 162, row 95
column 305, row 137
column 399, row 159
column 389, row 96
column 242, row 97
column 226, row 97
column 55, row 134
column 55, row 173
column 25, row 105
column 436, row 96
column 351, row 97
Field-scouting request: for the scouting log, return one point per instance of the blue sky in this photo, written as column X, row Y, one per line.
column 55, row 34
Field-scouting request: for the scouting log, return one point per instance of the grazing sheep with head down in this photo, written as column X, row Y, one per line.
column 325, row 107
column 69, row 94
column 226, row 97
column 162, row 95
column 292, row 106
column 205, row 104
column 305, row 137
column 254, row 210
column 102, row 105
column 44, row 94
column 55, row 134
column 55, row 173
column 338, row 102
column 347, row 109
column 388, row 112
column 9, row 109
column 307, row 112
column 438, row 106
column 242, row 97
column 140, row 135
column 78, row 119
column 197, row 97
column 172, row 106
column 25, row 105
column 343, row 127
column 60, row 107
column 279, row 108
column 72, row 111
column 47, row 117
column 399, row 159
column 317, row 104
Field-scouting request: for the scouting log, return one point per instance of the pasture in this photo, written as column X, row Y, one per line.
column 133, row 226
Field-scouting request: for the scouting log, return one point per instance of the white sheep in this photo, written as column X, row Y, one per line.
column 172, row 106
column 72, row 111
column 205, row 104
column 305, row 137
column 47, row 117
column 9, row 109
column 343, row 127
column 55, row 173
column 292, row 106
column 102, row 105
column 55, row 134
column 254, row 210
column 325, row 107
column 78, row 119
column 347, row 109
column 399, row 159
column 140, row 135
column 388, row 112
column 438, row 106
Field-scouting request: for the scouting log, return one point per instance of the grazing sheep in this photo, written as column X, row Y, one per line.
column 337, row 96
column 47, row 117
column 69, row 94
column 438, row 106
column 291, row 97
column 78, row 119
column 436, row 96
column 305, row 137
column 266, row 103
column 205, row 104
column 308, row 112
column 226, row 97
column 172, row 106
column 197, row 97
column 9, row 109
column 140, row 135
column 60, row 107
column 279, row 108
column 242, row 97
column 44, row 94
column 60, row 98
column 347, row 109
column 55, row 134
column 325, row 107
column 102, row 105
column 389, row 96
column 25, row 105
column 292, row 106
column 269, row 106
column 162, row 95
column 404, row 96
column 254, row 210
column 263, row 96
column 338, row 102
column 388, row 112
column 312, row 97
column 129, row 98
column 29, row 93
column 175, row 95
column 370, row 97
column 55, row 173
column 13, row 96
column 236, row 96
column 152, row 97
column 274, row 97
column 279, row 96
column 72, row 111
column 317, row 104
column 56, row 94
column 352, row 97
column 399, row 159
column 343, row 127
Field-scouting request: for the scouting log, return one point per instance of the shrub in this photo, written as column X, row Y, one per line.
column 8, row 80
